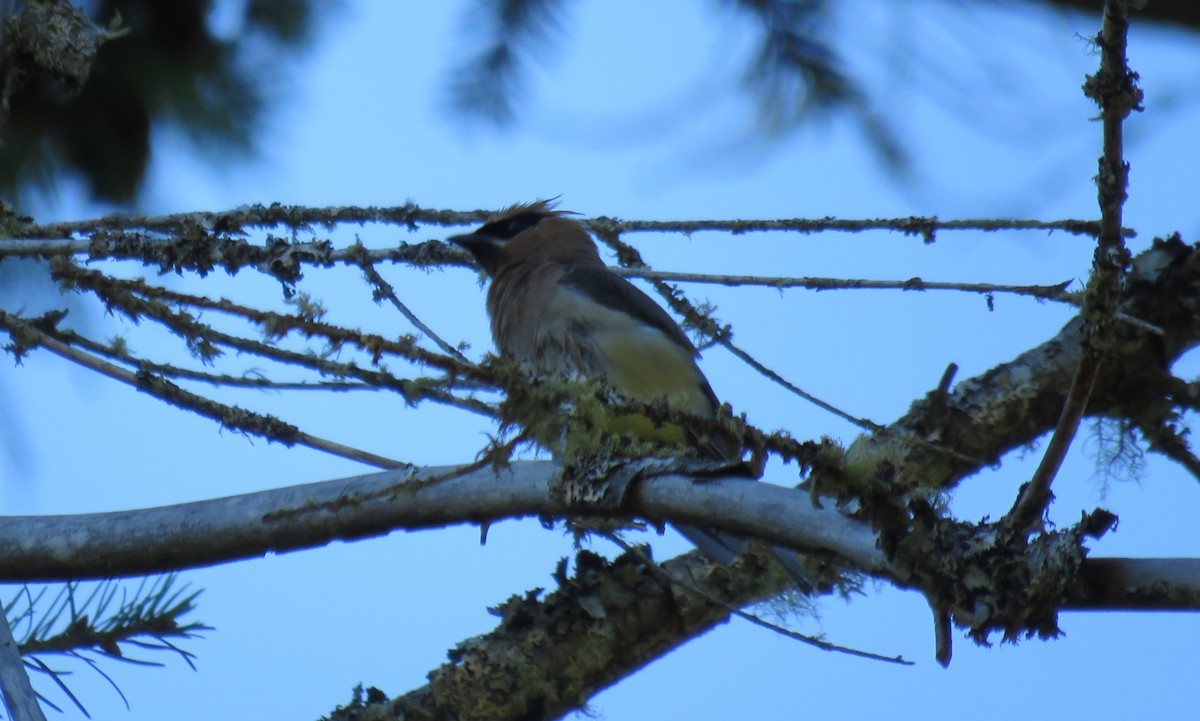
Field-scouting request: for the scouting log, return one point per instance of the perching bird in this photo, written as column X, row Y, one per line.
column 556, row 308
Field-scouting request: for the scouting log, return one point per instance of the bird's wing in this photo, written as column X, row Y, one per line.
column 614, row 292
column 602, row 286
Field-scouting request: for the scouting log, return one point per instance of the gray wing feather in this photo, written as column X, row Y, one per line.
column 612, row 291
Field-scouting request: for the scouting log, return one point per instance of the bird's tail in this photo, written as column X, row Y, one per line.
column 724, row 547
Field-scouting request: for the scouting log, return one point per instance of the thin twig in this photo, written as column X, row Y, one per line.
column 629, row 257
column 385, row 290
column 143, row 236
column 924, row 226
column 258, row 216
column 229, row 252
column 1035, row 495
column 676, row 582
column 1140, row 324
column 273, row 324
column 1115, row 90
column 128, row 298
column 434, row 389
column 411, row 215
column 266, row 384
column 1055, row 292
column 238, row 419
column 864, row 423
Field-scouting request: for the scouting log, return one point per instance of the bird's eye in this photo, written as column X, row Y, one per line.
column 509, row 228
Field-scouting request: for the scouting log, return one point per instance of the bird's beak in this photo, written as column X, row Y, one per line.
column 484, row 248
column 471, row 241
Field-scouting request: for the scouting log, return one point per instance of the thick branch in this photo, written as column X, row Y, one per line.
column 201, row 533
column 124, row 543
column 982, row 417
column 1012, row 404
column 1139, row 584
column 547, row 657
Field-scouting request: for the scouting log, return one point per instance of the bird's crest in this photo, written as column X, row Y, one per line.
column 545, row 208
column 507, row 224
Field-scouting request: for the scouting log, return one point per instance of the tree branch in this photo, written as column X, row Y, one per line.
column 986, row 415
column 232, row 417
column 202, row 533
column 1115, row 90
column 926, row 227
column 1057, row 292
column 1012, row 404
column 20, row 700
column 1184, row 13
column 214, row 238
column 125, row 543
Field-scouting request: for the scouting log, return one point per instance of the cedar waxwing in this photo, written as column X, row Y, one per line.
column 556, row 308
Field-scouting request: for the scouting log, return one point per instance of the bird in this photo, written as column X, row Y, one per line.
column 556, row 308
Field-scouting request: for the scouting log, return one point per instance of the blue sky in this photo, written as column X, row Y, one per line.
column 633, row 115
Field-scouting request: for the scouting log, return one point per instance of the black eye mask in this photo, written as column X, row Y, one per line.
column 509, row 228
